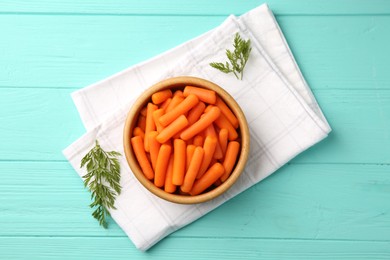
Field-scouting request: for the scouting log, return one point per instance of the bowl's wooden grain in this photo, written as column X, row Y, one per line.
column 180, row 82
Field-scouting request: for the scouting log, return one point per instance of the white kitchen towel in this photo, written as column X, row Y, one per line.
column 284, row 117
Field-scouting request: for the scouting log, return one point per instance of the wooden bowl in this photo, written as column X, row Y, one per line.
column 176, row 83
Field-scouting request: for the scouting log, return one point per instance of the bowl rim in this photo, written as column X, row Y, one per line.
column 176, row 82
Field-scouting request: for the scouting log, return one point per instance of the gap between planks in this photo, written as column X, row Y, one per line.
column 203, row 237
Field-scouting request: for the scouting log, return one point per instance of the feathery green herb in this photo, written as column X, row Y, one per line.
column 238, row 58
column 102, row 179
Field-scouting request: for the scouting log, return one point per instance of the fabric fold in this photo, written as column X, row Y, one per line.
column 283, row 115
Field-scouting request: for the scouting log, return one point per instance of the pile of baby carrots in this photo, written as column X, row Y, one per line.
column 186, row 140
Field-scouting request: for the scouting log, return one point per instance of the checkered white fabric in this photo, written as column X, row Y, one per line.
column 284, row 117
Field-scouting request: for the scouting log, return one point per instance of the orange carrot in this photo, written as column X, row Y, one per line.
column 193, row 169
column 232, row 151
column 190, row 141
column 189, row 153
column 138, row 148
column 161, row 96
column 207, row 109
column 179, row 161
column 213, row 174
column 198, row 140
column 183, row 193
column 169, row 186
column 150, row 161
column 201, row 124
column 156, row 115
column 141, row 123
column 178, row 93
column 137, row 131
column 217, row 182
column 143, row 110
column 210, row 143
column 165, row 104
column 213, row 161
column 177, row 135
column 150, row 125
column 210, row 131
column 222, row 122
column 205, row 95
column 169, row 142
column 162, row 164
column 227, row 112
column 154, row 147
column 223, row 139
column 195, row 113
column 176, row 126
column 188, row 103
column 174, row 102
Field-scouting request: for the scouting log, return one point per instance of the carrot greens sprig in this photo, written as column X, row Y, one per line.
column 237, row 58
column 102, row 180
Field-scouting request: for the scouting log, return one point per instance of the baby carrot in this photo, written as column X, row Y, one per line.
column 211, row 176
column 195, row 113
column 217, row 182
column 138, row 148
column 176, row 126
column 162, row 164
column 165, row 104
column 161, row 96
column 190, row 141
column 193, row 169
column 207, row 109
column 178, row 93
column 213, row 161
column 179, row 161
column 154, row 147
column 210, row 143
column 222, row 122
column 223, row 139
column 201, row 124
column 156, row 115
column 232, row 151
column 210, row 131
column 189, row 153
column 143, row 111
column 137, row 131
column 150, row 125
column 198, row 140
column 204, row 95
column 188, row 103
column 169, row 186
column 227, row 112
column 141, row 123
column 174, row 102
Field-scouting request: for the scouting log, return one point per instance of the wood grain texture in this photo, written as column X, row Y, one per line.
column 189, row 248
column 74, row 51
column 331, row 202
column 188, row 7
column 360, row 118
column 339, row 201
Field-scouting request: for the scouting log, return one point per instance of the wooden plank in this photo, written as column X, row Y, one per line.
column 347, row 202
column 350, row 63
column 187, row 248
column 361, row 127
column 38, row 123
column 75, row 51
column 188, row 7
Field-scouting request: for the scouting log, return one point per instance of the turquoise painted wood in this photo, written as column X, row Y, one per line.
column 331, row 202
column 82, row 49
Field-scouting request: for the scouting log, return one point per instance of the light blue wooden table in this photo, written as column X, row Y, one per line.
column 331, row 202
